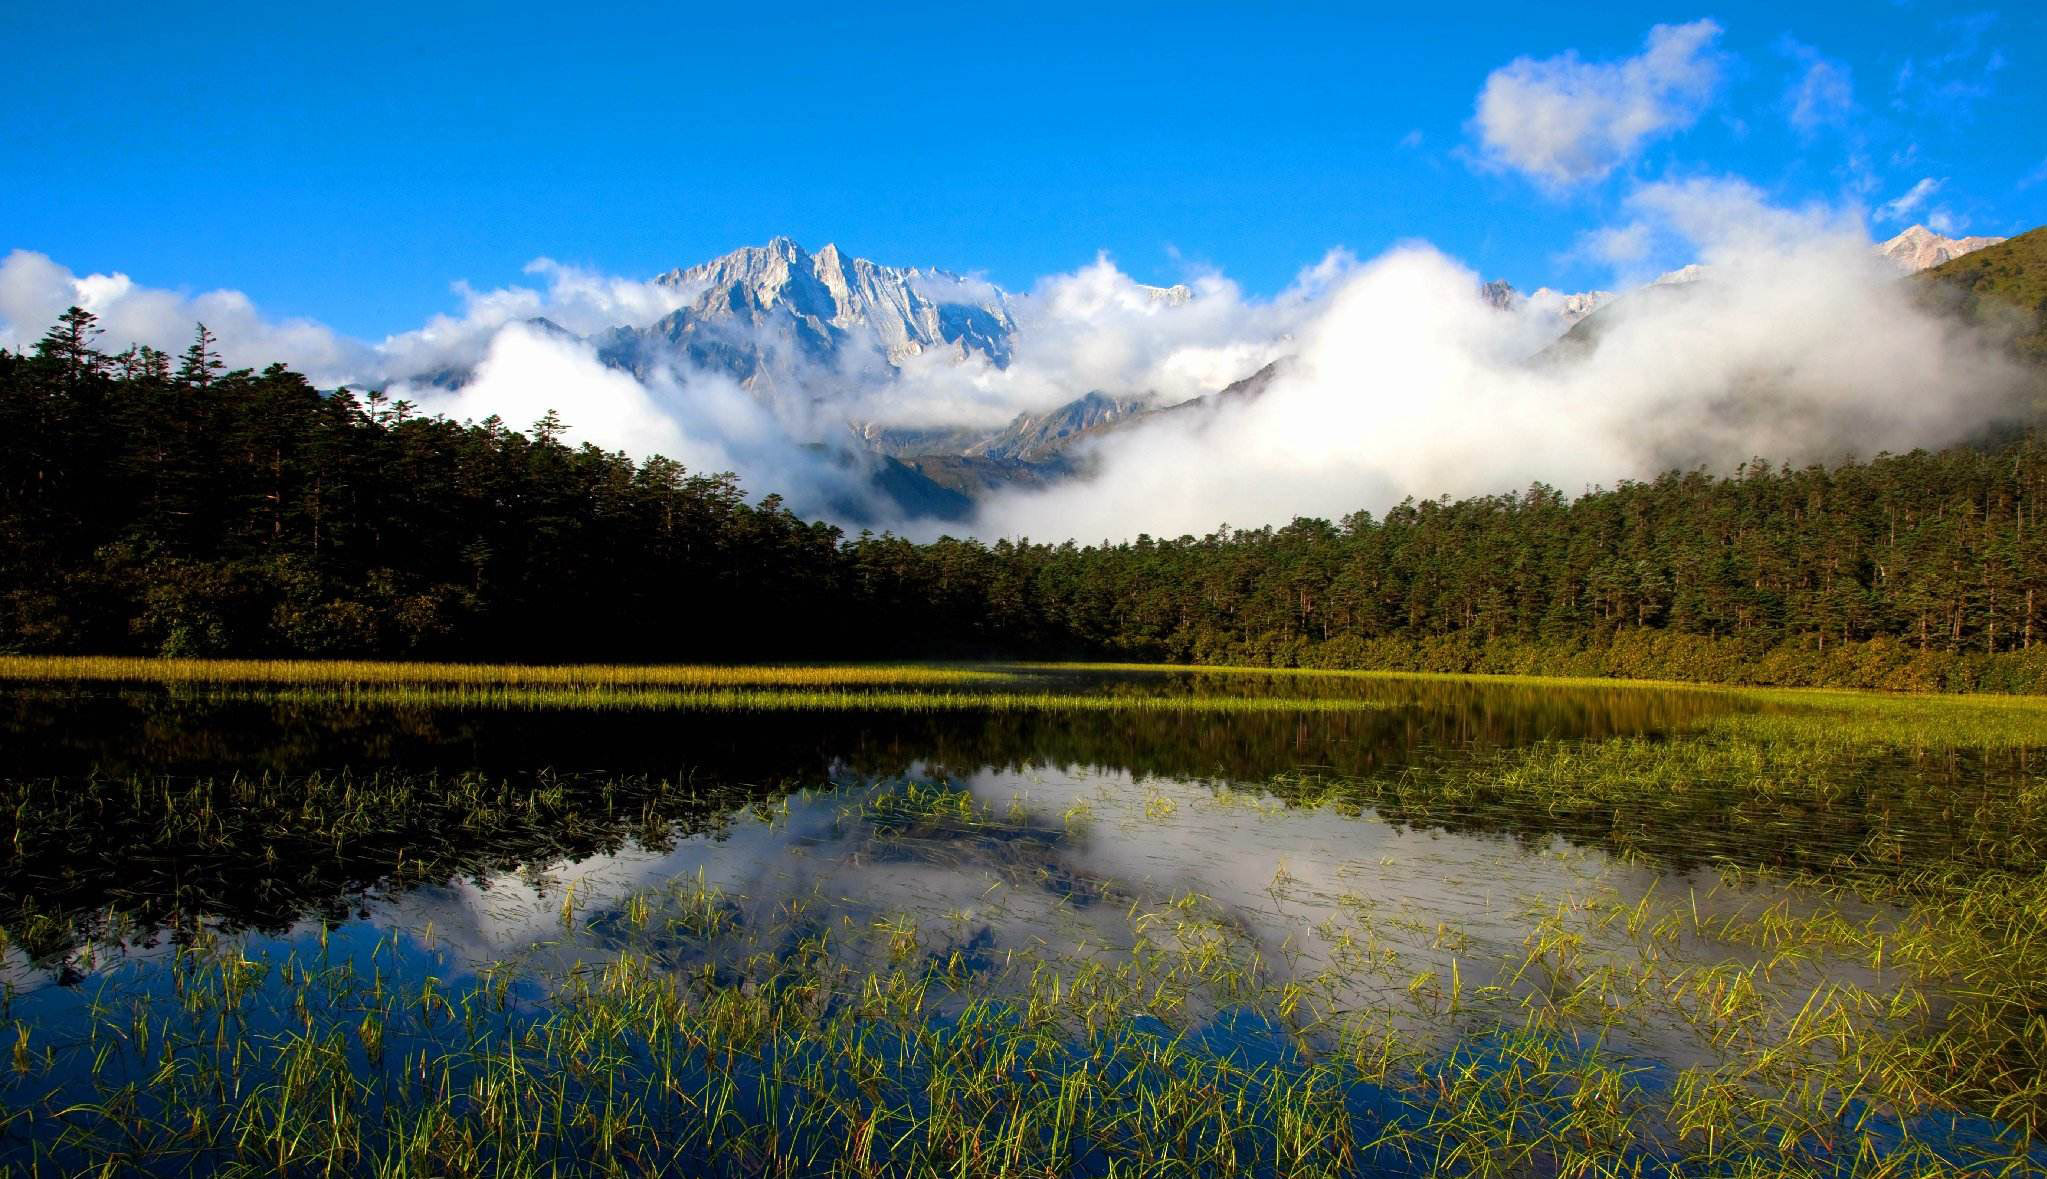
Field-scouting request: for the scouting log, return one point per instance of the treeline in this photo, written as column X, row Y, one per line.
column 153, row 505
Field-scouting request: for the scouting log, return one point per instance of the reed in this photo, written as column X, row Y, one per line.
column 113, row 669
column 1852, row 981
column 709, row 1046
column 795, row 699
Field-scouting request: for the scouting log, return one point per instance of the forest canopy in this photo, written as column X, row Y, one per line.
column 151, row 504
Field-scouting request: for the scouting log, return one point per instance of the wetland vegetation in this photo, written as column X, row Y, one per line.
column 297, row 921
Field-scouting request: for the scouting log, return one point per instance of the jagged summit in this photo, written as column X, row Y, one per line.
column 1919, row 248
column 760, row 310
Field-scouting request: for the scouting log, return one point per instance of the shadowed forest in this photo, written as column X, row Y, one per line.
column 151, row 504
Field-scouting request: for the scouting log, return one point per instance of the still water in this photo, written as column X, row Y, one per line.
column 1289, row 845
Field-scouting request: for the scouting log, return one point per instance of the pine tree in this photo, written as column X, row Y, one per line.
column 200, row 363
column 69, row 344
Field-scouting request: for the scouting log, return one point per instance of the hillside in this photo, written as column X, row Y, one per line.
column 2001, row 287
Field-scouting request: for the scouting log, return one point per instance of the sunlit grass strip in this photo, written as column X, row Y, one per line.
column 2036, row 704
column 1838, row 718
column 1376, row 674
column 603, row 698
column 96, row 668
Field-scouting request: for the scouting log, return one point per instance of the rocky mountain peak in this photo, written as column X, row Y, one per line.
column 1919, row 248
column 830, row 308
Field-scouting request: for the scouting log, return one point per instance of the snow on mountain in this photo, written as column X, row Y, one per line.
column 764, row 314
column 1568, row 309
column 1680, row 276
column 1919, row 248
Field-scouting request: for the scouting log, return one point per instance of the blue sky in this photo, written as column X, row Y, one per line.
column 348, row 163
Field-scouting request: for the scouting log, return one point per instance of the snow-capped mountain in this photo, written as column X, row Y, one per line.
column 1919, row 248
column 762, row 314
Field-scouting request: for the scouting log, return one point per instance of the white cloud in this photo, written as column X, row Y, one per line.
column 1728, row 222
column 1908, row 202
column 1565, row 122
column 1824, row 96
column 1618, row 245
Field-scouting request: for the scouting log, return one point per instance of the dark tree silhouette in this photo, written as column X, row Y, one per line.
column 215, row 512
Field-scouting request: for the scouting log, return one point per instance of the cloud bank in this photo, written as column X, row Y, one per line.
column 1799, row 345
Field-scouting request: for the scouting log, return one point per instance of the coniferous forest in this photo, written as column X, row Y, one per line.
column 158, row 504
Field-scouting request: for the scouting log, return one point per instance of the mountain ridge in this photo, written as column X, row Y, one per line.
column 1919, row 248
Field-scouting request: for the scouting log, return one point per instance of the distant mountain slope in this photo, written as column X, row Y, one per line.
column 1032, row 449
column 2002, row 287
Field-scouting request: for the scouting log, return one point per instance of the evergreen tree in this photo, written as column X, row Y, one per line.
column 68, row 345
column 200, row 365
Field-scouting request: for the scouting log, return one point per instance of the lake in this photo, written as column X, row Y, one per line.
column 1090, row 920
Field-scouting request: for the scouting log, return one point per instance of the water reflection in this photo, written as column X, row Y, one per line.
column 158, row 812
column 1277, row 856
column 121, row 731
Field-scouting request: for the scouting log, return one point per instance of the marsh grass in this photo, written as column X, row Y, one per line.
column 1929, row 812
column 966, row 699
column 1870, row 1004
column 698, row 1043
column 285, row 672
